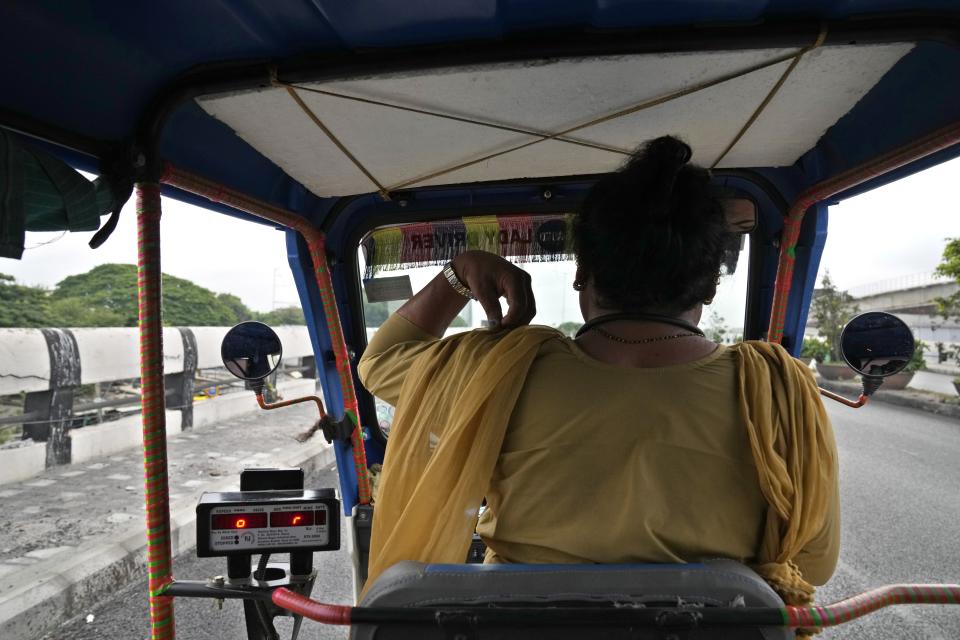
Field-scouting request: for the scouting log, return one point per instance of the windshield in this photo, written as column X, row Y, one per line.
column 557, row 303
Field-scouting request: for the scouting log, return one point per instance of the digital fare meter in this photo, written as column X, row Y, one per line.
column 254, row 522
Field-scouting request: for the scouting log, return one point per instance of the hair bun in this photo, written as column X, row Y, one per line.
column 652, row 235
column 669, row 152
column 660, row 161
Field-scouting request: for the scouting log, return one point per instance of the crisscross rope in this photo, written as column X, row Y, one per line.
column 446, row 116
column 384, row 193
column 541, row 136
column 770, row 95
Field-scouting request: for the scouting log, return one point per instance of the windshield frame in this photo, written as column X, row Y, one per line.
column 565, row 195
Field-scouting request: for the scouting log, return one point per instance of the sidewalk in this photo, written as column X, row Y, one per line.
column 74, row 533
column 948, row 406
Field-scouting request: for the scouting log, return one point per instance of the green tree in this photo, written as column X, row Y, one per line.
column 814, row 348
column 917, row 362
column 950, row 267
column 716, row 327
column 283, row 315
column 75, row 312
column 832, row 309
column 23, row 306
column 240, row 311
column 113, row 288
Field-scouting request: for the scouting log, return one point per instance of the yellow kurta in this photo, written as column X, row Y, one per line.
column 603, row 463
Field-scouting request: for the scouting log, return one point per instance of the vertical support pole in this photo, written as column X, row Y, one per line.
column 54, row 408
column 318, row 255
column 152, row 400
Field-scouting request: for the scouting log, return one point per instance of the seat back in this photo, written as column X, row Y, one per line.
column 714, row 583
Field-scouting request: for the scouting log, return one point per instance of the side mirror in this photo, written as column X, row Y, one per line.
column 876, row 345
column 251, row 351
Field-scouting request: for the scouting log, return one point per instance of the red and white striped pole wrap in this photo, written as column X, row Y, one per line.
column 152, row 401
column 335, row 614
column 866, row 603
column 920, row 148
column 316, row 242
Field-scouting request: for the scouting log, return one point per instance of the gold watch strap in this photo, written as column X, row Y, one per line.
column 454, row 281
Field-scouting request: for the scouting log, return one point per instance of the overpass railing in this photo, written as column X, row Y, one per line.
column 900, row 283
column 43, row 373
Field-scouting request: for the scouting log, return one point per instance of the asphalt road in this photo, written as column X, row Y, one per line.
column 900, row 493
column 900, row 470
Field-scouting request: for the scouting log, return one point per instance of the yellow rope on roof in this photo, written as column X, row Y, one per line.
column 384, row 193
column 773, row 92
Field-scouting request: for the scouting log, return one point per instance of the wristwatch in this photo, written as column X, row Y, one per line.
column 454, row 281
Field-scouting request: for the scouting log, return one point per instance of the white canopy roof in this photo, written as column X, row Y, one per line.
column 403, row 148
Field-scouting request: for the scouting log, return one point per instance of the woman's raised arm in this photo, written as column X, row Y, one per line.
column 488, row 277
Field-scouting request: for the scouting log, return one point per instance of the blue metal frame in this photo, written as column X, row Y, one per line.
column 301, row 265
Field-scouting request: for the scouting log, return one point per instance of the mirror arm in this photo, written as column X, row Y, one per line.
column 287, row 403
column 856, row 404
column 341, row 430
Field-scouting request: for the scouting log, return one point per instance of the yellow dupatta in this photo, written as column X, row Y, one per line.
column 795, row 454
column 454, row 408
column 452, row 417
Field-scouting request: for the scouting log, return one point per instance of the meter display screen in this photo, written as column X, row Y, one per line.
column 239, row 521
column 292, row 519
column 267, row 521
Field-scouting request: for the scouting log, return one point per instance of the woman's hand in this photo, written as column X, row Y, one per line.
column 491, row 277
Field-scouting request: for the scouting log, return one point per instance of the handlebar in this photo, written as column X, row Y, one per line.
column 790, row 616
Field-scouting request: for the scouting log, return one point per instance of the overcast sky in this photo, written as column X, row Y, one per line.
column 898, row 230
column 197, row 244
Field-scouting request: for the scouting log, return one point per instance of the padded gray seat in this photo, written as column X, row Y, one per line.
column 712, row 583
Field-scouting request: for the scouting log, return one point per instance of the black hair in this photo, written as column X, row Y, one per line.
column 652, row 234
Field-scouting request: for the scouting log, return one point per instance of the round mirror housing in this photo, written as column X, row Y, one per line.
column 877, row 344
column 251, row 351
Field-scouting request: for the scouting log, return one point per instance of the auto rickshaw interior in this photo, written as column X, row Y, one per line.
column 334, row 122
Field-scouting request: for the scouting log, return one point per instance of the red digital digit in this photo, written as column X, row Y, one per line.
column 291, row 519
column 238, row 521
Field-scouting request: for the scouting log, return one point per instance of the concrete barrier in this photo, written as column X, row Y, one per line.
column 207, row 412
column 24, row 361
column 127, row 433
column 112, row 437
column 108, row 354
column 23, row 462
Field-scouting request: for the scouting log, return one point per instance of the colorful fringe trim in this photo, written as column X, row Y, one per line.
column 522, row 238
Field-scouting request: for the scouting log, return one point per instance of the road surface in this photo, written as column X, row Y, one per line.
column 900, row 471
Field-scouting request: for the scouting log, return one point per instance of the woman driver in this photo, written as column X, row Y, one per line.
column 638, row 441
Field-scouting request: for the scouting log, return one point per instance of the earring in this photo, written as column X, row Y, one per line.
column 577, row 285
